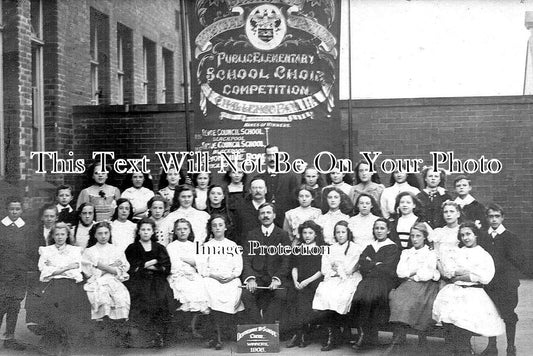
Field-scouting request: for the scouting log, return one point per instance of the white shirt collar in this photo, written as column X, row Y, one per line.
column 18, row 223
column 499, row 230
column 267, row 230
column 467, row 200
column 60, row 207
column 440, row 190
column 379, row 244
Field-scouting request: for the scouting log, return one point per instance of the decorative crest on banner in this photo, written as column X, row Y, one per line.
column 265, row 65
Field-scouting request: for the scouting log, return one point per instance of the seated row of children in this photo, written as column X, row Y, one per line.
column 158, row 280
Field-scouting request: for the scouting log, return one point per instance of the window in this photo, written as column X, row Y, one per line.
column 168, row 73
column 182, row 27
column 149, row 72
column 95, row 91
column 37, row 82
column 124, row 64
column 99, row 50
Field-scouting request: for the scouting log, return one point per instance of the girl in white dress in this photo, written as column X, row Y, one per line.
column 122, row 226
column 137, row 188
column 336, row 207
column 463, row 306
column 183, row 207
column 106, row 266
column 361, row 224
column 444, row 239
column 295, row 217
column 399, row 182
column 411, row 303
column 341, row 277
column 184, row 279
column 66, row 311
column 220, row 263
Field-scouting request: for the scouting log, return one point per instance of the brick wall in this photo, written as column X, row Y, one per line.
column 139, row 131
column 67, row 57
column 496, row 127
column 17, row 89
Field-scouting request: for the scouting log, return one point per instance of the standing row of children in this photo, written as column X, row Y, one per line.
column 101, row 201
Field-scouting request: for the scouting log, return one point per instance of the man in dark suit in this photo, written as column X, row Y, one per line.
column 509, row 259
column 270, row 270
column 280, row 186
column 246, row 212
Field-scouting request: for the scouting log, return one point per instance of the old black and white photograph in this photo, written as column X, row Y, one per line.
column 294, row 177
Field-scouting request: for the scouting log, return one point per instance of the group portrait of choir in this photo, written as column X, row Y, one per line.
column 128, row 262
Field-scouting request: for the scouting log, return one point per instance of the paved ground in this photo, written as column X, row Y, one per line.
column 524, row 340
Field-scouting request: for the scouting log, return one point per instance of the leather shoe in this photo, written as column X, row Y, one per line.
column 490, row 350
column 294, row 341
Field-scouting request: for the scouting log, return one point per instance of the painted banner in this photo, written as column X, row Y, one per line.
column 265, row 72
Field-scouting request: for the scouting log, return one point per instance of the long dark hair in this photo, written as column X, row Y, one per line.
column 120, row 201
column 182, row 188
column 141, row 222
column 345, row 204
column 375, row 207
column 163, row 183
column 213, row 217
column 128, row 182
column 310, row 224
column 418, row 204
column 223, row 203
column 472, row 226
column 92, row 232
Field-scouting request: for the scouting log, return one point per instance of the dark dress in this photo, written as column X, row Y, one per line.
column 401, row 238
column 432, row 207
column 152, row 300
column 370, row 305
column 474, row 211
column 307, row 265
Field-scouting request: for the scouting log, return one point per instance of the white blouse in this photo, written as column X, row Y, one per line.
column 476, row 261
column 197, row 218
column 388, row 197
column 327, row 221
column 53, row 258
column 361, row 228
column 123, row 233
column 422, row 261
